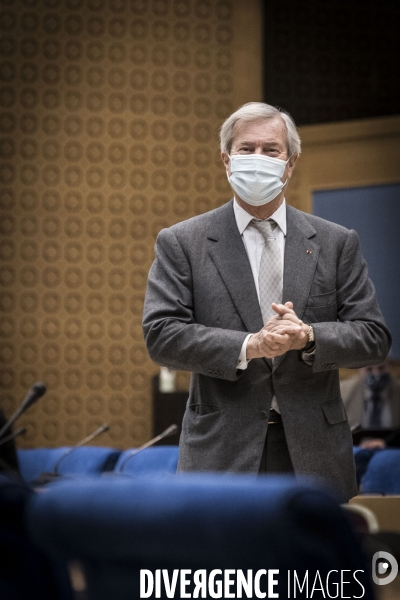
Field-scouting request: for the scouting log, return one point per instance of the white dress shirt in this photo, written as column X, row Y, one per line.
column 253, row 241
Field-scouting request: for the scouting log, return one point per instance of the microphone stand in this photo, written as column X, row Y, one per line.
column 37, row 391
column 47, row 477
column 86, row 440
column 13, row 435
column 171, row 430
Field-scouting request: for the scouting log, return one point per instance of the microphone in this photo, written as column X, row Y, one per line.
column 13, row 435
column 48, row 476
column 171, row 430
column 37, row 391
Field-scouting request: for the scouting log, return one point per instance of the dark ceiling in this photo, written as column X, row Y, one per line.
column 332, row 61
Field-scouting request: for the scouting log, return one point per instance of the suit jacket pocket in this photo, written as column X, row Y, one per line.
column 204, row 409
column 320, row 300
column 200, row 423
column 334, row 411
column 320, row 308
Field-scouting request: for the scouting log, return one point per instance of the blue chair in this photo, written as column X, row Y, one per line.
column 198, row 521
column 25, row 571
column 383, row 473
column 362, row 456
column 155, row 461
column 88, row 460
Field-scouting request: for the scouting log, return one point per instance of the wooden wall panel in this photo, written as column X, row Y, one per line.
column 109, row 132
column 340, row 155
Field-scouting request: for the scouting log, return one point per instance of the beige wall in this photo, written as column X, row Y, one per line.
column 109, row 132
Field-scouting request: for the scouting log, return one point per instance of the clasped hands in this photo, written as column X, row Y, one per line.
column 283, row 332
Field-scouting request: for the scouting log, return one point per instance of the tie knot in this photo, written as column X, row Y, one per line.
column 265, row 227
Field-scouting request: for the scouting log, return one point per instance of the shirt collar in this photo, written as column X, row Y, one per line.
column 243, row 218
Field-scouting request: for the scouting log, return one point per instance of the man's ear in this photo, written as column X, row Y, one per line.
column 225, row 160
column 291, row 164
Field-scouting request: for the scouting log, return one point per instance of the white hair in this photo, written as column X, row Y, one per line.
column 257, row 111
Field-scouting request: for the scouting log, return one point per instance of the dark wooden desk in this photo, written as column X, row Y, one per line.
column 381, row 434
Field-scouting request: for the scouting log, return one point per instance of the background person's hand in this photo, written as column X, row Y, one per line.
column 373, row 443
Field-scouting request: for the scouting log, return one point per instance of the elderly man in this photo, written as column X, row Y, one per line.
column 263, row 304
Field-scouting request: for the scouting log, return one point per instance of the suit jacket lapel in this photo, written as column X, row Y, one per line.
column 301, row 256
column 229, row 255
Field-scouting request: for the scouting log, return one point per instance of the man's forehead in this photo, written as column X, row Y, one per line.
column 271, row 129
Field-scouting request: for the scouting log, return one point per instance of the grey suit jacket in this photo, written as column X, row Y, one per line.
column 200, row 304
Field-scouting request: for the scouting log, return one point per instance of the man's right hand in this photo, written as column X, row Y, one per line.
column 268, row 344
column 283, row 332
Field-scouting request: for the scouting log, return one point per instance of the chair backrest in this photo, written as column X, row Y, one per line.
column 118, row 526
column 157, row 460
column 362, row 456
column 88, row 460
column 383, row 473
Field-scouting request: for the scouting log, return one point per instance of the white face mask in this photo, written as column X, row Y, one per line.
column 257, row 178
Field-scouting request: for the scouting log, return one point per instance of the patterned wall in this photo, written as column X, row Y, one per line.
column 110, row 112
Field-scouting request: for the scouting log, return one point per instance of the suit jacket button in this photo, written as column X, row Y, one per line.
column 210, row 372
column 220, row 373
column 334, row 366
column 264, row 414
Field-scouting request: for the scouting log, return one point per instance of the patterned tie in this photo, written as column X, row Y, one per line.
column 270, row 279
